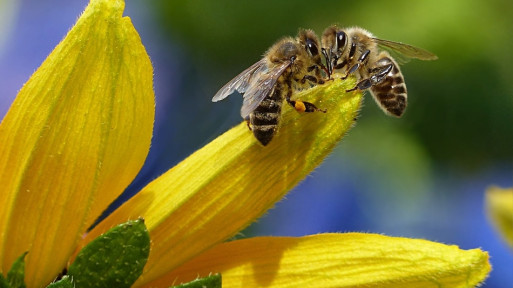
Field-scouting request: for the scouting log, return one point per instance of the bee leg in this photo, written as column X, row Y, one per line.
column 328, row 69
column 309, row 107
column 317, row 79
column 378, row 74
column 354, row 68
column 321, row 79
column 312, row 79
column 339, row 65
column 248, row 123
column 343, row 64
column 358, row 64
column 312, row 68
column 303, row 106
column 362, row 85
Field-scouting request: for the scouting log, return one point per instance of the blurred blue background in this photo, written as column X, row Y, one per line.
column 420, row 176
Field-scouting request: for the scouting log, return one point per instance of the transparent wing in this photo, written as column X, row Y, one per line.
column 239, row 83
column 403, row 52
column 261, row 86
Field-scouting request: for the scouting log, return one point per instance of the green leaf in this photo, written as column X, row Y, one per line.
column 3, row 282
column 212, row 281
column 65, row 282
column 16, row 276
column 114, row 259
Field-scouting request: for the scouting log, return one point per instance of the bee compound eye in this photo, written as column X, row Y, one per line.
column 341, row 39
column 311, row 47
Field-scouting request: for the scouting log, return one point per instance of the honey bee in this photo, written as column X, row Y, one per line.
column 289, row 65
column 357, row 51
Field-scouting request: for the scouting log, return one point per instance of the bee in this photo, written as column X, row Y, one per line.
column 355, row 50
column 291, row 64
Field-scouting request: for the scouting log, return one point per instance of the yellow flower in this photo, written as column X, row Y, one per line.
column 499, row 205
column 74, row 138
column 80, row 129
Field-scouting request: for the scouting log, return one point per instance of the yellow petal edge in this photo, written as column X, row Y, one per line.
column 226, row 185
column 336, row 260
column 499, row 205
column 76, row 135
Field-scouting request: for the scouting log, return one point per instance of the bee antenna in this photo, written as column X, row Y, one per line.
column 292, row 59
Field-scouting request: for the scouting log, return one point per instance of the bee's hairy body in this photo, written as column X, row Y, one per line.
column 264, row 120
column 391, row 91
column 291, row 64
column 356, row 51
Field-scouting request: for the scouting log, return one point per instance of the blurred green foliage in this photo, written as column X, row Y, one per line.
column 460, row 106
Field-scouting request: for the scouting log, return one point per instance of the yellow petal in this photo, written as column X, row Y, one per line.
column 499, row 205
column 336, row 260
column 233, row 180
column 74, row 138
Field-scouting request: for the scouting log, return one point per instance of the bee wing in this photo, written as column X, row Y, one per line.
column 403, row 52
column 239, row 83
column 260, row 87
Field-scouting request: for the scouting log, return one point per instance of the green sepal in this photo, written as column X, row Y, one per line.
column 114, row 259
column 16, row 276
column 65, row 282
column 212, row 281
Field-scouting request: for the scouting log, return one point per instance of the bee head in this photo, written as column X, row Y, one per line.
column 309, row 41
column 285, row 50
column 334, row 40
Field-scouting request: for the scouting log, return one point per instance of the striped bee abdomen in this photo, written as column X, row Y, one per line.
column 391, row 93
column 265, row 118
